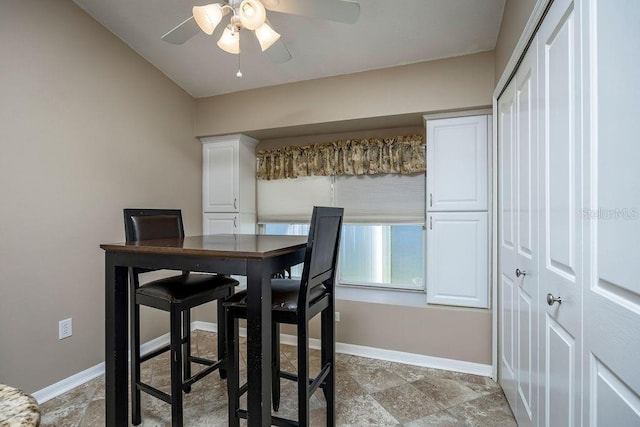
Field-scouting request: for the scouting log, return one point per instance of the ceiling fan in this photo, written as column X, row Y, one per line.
column 251, row 15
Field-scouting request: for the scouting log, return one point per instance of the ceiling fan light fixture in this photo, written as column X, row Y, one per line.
column 266, row 36
column 252, row 14
column 230, row 41
column 208, row 16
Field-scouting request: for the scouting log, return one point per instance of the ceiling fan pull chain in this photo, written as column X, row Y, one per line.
column 239, row 73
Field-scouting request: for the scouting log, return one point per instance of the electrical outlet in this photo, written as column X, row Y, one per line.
column 65, row 328
column 337, row 316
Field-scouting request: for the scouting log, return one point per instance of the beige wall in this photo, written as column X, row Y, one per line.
column 515, row 17
column 87, row 128
column 451, row 84
column 447, row 84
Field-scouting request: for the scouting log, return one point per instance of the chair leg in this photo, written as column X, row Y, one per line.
column 303, row 372
column 176, row 367
column 222, row 334
column 328, row 355
column 275, row 365
column 136, row 418
column 233, row 367
column 186, row 347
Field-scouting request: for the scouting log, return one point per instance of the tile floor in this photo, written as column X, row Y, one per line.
column 370, row 392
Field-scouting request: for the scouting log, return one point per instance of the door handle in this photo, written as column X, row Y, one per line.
column 551, row 299
column 235, row 203
column 520, row 272
column 430, row 200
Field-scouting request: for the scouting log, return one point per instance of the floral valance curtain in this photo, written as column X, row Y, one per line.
column 399, row 155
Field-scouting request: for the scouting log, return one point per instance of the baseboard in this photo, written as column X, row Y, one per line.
column 63, row 386
column 80, row 378
column 55, row 390
column 379, row 353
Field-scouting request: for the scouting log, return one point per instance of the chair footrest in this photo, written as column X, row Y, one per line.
column 203, row 373
column 158, row 394
column 275, row 421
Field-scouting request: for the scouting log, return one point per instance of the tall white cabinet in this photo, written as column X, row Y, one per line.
column 229, row 184
column 569, row 220
column 457, row 211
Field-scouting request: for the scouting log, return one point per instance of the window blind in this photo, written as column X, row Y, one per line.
column 388, row 198
column 391, row 198
column 292, row 200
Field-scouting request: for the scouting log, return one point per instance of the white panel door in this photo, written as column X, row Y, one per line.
column 457, row 259
column 457, row 164
column 526, row 242
column 612, row 213
column 220, row 176
column 561, row 252
column 507, row 244
column 518, row 240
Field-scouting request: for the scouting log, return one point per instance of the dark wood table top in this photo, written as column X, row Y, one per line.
column 218, row 245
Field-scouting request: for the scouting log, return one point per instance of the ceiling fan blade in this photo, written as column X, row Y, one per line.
column 182, row 32
column 278, row 52
column 346, row 12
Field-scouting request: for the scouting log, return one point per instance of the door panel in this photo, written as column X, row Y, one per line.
column 518, row 204
column 527, row 236
column 612, row 212
column 560, row 268
column 507, row 244
column 220, row 176
column 457, row 164
column 457, row 259
column 560, row 373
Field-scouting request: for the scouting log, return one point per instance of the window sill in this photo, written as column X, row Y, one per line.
column 381, row 296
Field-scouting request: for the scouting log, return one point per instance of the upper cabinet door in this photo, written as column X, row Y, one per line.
column 457, row 164
column 220, row 176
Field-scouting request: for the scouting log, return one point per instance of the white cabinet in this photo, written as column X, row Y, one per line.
column 457, row 211
column 457, row 259
column 457, row 164
column 229, row 184
column 228, row 223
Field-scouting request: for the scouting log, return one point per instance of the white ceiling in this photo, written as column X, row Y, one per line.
column 387, row 34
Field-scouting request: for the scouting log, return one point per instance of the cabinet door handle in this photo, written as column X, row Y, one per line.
column 235, row 203
column 430, row 200
column 430, row 223
column 235, row 222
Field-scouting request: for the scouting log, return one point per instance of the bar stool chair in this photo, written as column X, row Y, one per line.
column 176, row 295
column 296, row 302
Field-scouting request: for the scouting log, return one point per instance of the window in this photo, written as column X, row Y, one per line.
column 382, row 243
column 388, row 256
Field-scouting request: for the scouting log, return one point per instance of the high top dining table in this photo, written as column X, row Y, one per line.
column 253, row 256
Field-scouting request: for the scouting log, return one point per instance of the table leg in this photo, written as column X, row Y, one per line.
column 259, row 342
column 116, row 297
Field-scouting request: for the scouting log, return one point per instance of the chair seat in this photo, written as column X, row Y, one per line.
column 284, row 295
column 177, row 289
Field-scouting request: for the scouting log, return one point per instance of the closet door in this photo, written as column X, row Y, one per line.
column 612, row 214
column 526, row 234
column 507, row 313
column 561, row 275
column 518, row 237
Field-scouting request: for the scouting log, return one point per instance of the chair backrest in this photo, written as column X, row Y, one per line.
column 151, row 224
column 321, row 254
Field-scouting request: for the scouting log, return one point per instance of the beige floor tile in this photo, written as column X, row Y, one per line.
column 369, row 392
